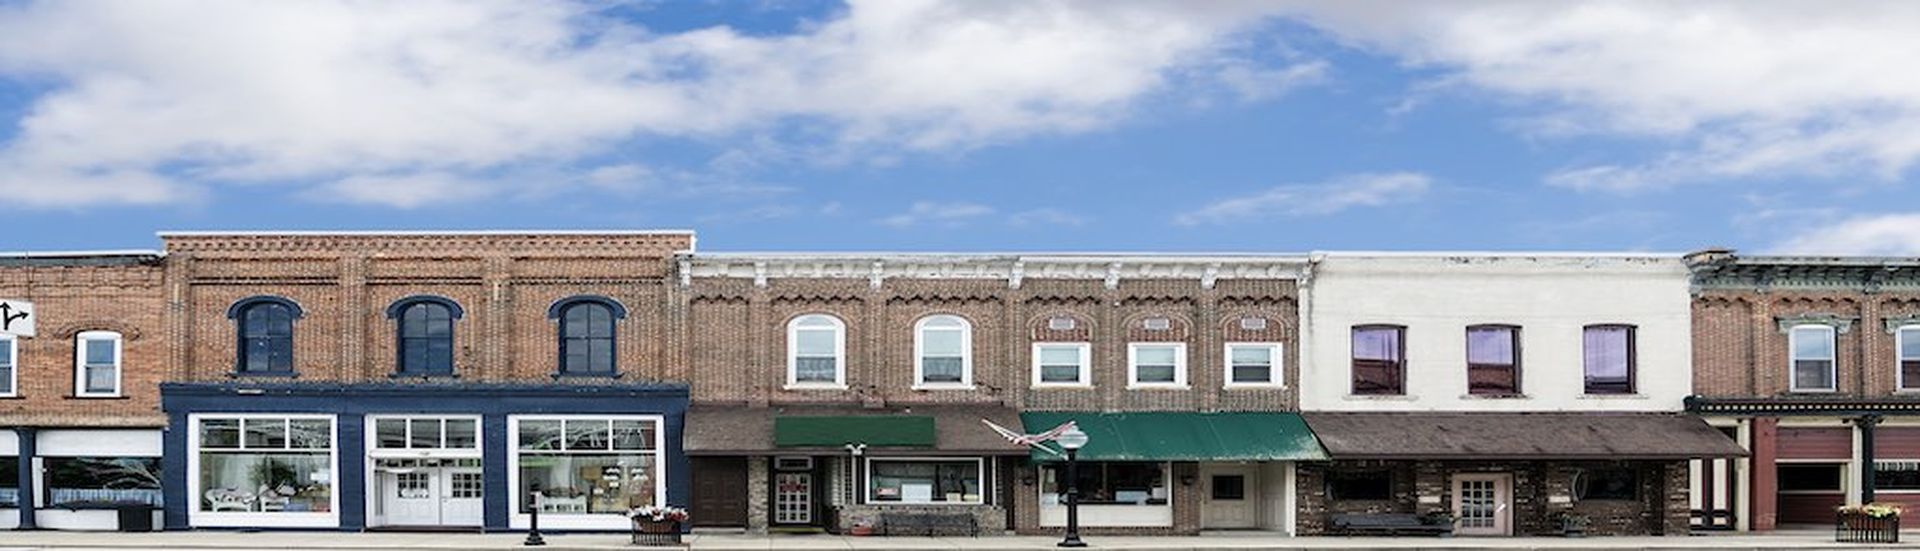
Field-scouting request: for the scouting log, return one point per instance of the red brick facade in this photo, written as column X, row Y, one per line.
column 115, row 292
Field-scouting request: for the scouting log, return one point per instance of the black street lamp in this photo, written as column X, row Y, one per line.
column 1072, row 440
column 533, row 531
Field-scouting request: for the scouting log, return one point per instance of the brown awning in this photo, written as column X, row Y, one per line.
column 741, row 430
column 1427, row 435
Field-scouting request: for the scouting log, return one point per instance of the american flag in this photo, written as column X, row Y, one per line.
column 1031, row 440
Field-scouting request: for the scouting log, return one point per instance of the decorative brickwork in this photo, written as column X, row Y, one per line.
column 119, row 293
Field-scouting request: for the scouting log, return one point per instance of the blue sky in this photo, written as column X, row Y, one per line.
column 972, row 126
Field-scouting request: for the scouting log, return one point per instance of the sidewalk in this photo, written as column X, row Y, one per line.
column 559, row 542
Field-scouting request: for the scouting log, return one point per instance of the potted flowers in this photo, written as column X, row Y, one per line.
column 657, row 524
column 1872, row 522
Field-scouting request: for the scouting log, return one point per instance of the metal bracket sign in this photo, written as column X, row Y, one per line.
column 16, row 317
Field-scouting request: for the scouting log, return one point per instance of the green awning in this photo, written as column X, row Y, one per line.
column 1184, row 436
column 879, row 431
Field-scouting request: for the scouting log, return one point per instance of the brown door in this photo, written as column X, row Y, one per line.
column 719, row 491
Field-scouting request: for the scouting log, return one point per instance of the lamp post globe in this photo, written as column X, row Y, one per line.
column 1072, row 440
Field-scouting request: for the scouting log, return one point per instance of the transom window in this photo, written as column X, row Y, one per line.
column 1608, row 355
column 1493, row 360
column 1379, row 359
column 1157, row 364
column 587, row 336
column 96, row 361
column 9, row 385
column 1061, row 363
column 265, row 326
column 943, row 351
column 816, row 349
column 425, row 335
column 1253, row 364
column 1813, row 358
column 1908, row 338
column 426, row 433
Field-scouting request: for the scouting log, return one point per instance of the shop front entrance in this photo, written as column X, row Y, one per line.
column 1483, row 504
column 796, row 492
column 432, row 496
column 1232, row 496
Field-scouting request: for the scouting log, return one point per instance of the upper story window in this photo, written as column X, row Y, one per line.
column 1908, row 341
column 943, row 352
column 425, row 335
column 1608, row 354
column 1253, row 364
column 96, row 364
column 816, row 351
column 587, row 334
column 1379, row 359
column 9, row 354
column 264, row 335
column 1061, row 363
column 1812, row 352
column 1493, row 360
column 1157, row 364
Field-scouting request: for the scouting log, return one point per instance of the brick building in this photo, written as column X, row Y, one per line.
column 80, row 421
column 1813, row 363
column 831, row 389
column 358, row 380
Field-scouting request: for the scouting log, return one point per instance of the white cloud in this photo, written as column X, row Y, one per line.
column 1882, row 234
column 404, row 191
column 1329, row 197
column 934, row 213
column 1736, row 89
column 156, row 101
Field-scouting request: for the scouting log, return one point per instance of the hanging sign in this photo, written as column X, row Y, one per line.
column 16, row 317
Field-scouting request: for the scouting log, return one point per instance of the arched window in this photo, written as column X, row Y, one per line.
column 816, row 351
column 943, row 352
column 264, row 327
column 424, row 335
column 587, row 334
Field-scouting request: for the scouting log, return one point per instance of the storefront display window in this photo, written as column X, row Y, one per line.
column 1896, row 475
column 924, row 481
column 589, row 465
column 81, row 481
column 9, row 482
column 1103, row 483
column 266, row 464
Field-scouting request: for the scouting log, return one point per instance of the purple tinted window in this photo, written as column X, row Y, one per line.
column 1493, row 360
column 1378, row 361
column 1609, row 359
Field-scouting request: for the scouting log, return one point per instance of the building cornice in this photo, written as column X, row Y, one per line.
column 875, row 269
column 1803, row 406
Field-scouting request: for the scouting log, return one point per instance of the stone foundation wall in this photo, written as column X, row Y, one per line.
column 991, row 518
column 1542, row 494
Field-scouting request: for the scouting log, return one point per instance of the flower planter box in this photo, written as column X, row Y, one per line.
column 656, row 532
column 1858, row 527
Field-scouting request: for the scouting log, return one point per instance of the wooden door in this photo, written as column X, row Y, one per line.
column 1483, row 504
column 1232, row 497
column 719, row 491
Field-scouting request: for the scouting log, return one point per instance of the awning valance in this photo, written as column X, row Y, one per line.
column 935, row 430
column 915, row 431
column 1183, row 436
column 1430, row 435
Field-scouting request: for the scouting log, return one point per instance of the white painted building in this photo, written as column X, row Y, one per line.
column 1553, row 303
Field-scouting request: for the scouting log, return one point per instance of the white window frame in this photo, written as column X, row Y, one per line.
column 12, row 346
column 1084, row 380
column 80, row 362
column 1276, row 371
column 373, row 448
column 839, row 353
column 1793, row 358
column 1899, row 344
column 919, row 352
column 1179, row 365
column 284, row 519
column 582, row 521
column 979, row 465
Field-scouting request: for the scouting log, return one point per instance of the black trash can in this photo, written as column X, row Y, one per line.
column 135, row 517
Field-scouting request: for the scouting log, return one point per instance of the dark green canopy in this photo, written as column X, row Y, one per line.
column 1184, row 436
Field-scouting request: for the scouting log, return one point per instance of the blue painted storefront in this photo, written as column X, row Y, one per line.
column 351, row 403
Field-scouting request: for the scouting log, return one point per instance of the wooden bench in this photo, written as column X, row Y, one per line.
column 928, row 523
column 1388, row 524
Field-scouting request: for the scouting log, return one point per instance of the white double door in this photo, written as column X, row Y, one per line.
column 432, row 496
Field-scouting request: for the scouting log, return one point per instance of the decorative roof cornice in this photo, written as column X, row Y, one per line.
column 1014, row 269
column 1805, row 406
column 1722, row 269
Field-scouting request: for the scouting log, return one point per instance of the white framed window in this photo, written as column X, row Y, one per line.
column 589, row 469
column 9, row 362
column 942, row 352
column 1907, row 370
column 1062, row 364
column 1811, row 348
column 1253, row 364
column 96, row 364
column 263, row 470
column 816, row 352
column 926, row 480
column 1156, row 364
